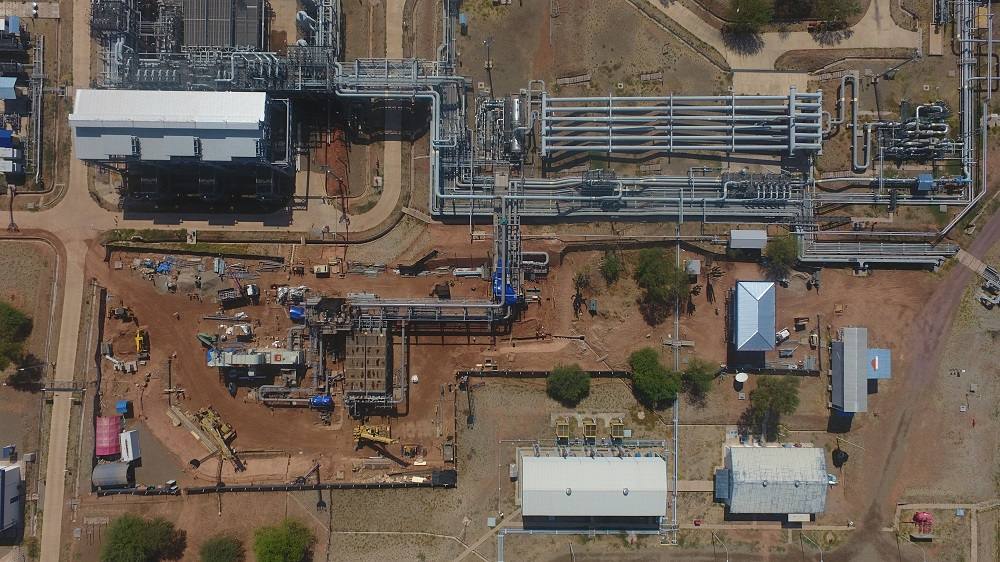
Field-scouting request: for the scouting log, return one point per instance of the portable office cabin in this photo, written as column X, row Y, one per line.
column 747, row 239
column 129, row 442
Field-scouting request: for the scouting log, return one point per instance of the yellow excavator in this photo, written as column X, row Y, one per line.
column 373, row 434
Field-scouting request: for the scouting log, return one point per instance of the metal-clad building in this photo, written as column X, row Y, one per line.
column 593, row 486
column 10, row 497
column 111, row 475
column 850, row 370
column 106, row 442
column 747, row 239
column 161, row 126
column 773, row 480
column 753, row 316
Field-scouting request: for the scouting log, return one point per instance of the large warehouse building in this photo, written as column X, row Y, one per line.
column 589, row 492
column 223, row 140
column 789, row 481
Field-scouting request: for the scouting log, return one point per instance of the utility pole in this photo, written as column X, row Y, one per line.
column 488, row 42
column 12, row 191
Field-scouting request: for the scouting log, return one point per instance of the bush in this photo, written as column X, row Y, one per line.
column 135, row 539
column 15, row 327
column 288, row 542
column 662, row 282
column 698, row 376
column 611, row 267
column 581, row 280
column 781, row 252
column 749, row 16
column 568, row 384
column 654, row 385
column 222, row 548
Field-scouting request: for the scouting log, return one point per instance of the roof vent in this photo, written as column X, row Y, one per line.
column 797, row 483
column 625, row 492
column 569, row 491
column 765, row 483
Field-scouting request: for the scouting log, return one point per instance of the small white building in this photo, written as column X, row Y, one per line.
column 129, row 441
column 10, row 497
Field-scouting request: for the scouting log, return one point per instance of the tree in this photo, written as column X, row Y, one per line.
column 749, row 16
column 654, row 385
column 611, row 267
column 568, row 384
column 288, row 542
column 222, row 548
column 774, row 397
column 836, row 11
column 781, row 252
column 662, row 282
column 15, row 327
column 698, row 376
column 581, row 280
column 135, row 539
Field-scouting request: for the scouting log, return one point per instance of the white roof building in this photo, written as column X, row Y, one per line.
column 773, row 480
column 119, row 125
column 10, row 496
column 593, row 486
column 747, row 239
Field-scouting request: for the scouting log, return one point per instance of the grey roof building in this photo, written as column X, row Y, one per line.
column 10, row 497
column 593, row 486
column 773, row 480
column 747, row 239
column 850, row 370
column 151, row 126
column 753, row 316
column 111, row 475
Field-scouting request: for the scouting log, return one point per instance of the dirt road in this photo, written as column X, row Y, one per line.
column 930, row 327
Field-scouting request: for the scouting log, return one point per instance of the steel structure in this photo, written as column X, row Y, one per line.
column 756, row 124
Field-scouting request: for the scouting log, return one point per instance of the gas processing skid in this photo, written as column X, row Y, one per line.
column 480, row 171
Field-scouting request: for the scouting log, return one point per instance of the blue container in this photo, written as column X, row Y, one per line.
column 321, row 402
column 297, row 313
column 122, row 407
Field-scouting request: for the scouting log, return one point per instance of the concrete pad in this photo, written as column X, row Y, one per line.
column 936, row 46
column 769, row 83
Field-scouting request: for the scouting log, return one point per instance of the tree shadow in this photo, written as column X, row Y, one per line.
column 742, row 42
column 831, row 35
column 29, row 374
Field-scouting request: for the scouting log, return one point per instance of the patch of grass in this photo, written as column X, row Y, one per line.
column 144, row 235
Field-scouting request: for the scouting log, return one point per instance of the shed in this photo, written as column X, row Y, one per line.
column 850, row 370
column 111, row 475
column 129, row 441
column 122, row 407
column 593, row 486
column 693, row 267
column 747, row 239
column 753, row 316
column 106, row 440
column 10, row 497
column 773, row 480
column 7, row 91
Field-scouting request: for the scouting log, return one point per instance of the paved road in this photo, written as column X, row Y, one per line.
column 876, row 30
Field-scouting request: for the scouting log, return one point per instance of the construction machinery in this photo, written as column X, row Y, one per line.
column 122, row 313
column 142, row 344
column 366, row 434
column 221, row 433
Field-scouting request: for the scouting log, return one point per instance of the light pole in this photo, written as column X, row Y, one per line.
column 12, row 227
column 814, row 543
column 488, row 42
column 716, row 538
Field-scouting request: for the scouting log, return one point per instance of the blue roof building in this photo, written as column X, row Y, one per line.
column 753, row 316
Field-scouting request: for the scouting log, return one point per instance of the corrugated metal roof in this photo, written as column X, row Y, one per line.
column 110, row 475
column 879, row 364
column 777, row 480
column 593, row 486
column 10, row 488
column 748, row 239
column 106, row 436
column 754, row 309
column 168, row 109
column 850, row 370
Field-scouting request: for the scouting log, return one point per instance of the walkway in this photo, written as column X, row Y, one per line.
column 876, row 30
